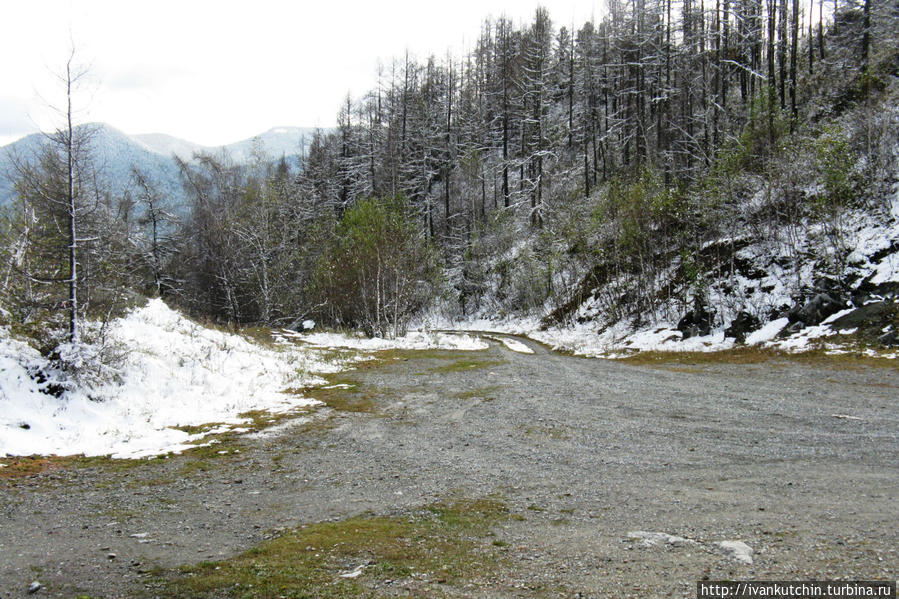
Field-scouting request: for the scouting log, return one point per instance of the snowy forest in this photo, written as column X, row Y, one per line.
column 618, row 171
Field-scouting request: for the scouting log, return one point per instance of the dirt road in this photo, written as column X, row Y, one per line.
column 799, row 463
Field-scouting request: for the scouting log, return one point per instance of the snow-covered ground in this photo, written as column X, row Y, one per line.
column 169, row 372
column 412, row 340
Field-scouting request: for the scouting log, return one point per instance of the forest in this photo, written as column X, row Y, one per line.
column 621, row 165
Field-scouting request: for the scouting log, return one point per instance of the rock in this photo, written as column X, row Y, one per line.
column 889, row 339
column 738, row 550
column 648, row 539
column 875, row 321
column 791, row 329
column 34, row 587
column 744, row 323
column 815, row 310
column 697, row 322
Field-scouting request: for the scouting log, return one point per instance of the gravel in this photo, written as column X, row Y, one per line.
column 587, row 450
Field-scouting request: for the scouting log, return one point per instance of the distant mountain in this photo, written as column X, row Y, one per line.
column 115, row 152
column 276, row 142
column 160, row 143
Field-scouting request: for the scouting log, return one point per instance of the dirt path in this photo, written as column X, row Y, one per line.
column 801, row 464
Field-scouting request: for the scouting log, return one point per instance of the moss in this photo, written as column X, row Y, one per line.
column 259, row 335
column 21, row 466
column 555, row 433
column 485, row 393
column 464, row 365
column 344, row 394
column 441, row 543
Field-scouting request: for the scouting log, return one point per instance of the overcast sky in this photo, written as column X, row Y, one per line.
column 215, row 72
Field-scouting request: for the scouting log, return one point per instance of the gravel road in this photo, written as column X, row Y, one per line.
column 799, row 463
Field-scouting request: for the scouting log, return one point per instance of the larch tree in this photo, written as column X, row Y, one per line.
column 56, row 189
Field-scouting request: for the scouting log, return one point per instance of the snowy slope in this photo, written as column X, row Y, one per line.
column 771, row 292
column 276, row 142
column 172, row 372
column 166, row 145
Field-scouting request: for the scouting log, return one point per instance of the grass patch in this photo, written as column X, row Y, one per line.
column 258, row 335
column 197, row 429
column 22, row 466
column 464, row 364
column 485, row 393
column 548, row 432
column 344, row 395
column 818, row 357
column 442, row 543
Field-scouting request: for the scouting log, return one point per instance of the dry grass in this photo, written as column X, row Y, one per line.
column 758, row 355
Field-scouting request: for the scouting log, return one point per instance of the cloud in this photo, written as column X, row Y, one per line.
column 143, row 77
column 14, row 119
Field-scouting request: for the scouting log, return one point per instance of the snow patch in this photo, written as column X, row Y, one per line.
column 738, row 550
column 767, row 332
column 173, row 373
column 648, row 539
column 412, row 340
column 887, row 269
column 354, row 573
column 512, row 344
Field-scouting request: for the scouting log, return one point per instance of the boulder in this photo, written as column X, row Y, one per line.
column 697, row 322
column 889, row 339
column 743, row 324
column 791, row 329
column 815, row 310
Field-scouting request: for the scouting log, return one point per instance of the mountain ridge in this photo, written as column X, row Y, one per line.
column 286, row 140
column 116, row 152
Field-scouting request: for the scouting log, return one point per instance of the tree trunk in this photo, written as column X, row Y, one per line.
column 71, row 208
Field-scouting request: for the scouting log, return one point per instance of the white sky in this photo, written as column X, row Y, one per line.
column 214, row 72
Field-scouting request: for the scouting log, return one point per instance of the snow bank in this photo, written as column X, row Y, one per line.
column 172, row 372
column 413, row 340
column 512, row 344
column 622, row 339
column 767, row 332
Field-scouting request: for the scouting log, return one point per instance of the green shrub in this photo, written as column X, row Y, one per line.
column 378, row 270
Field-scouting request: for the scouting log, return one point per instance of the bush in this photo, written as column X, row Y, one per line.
column 378, row 270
